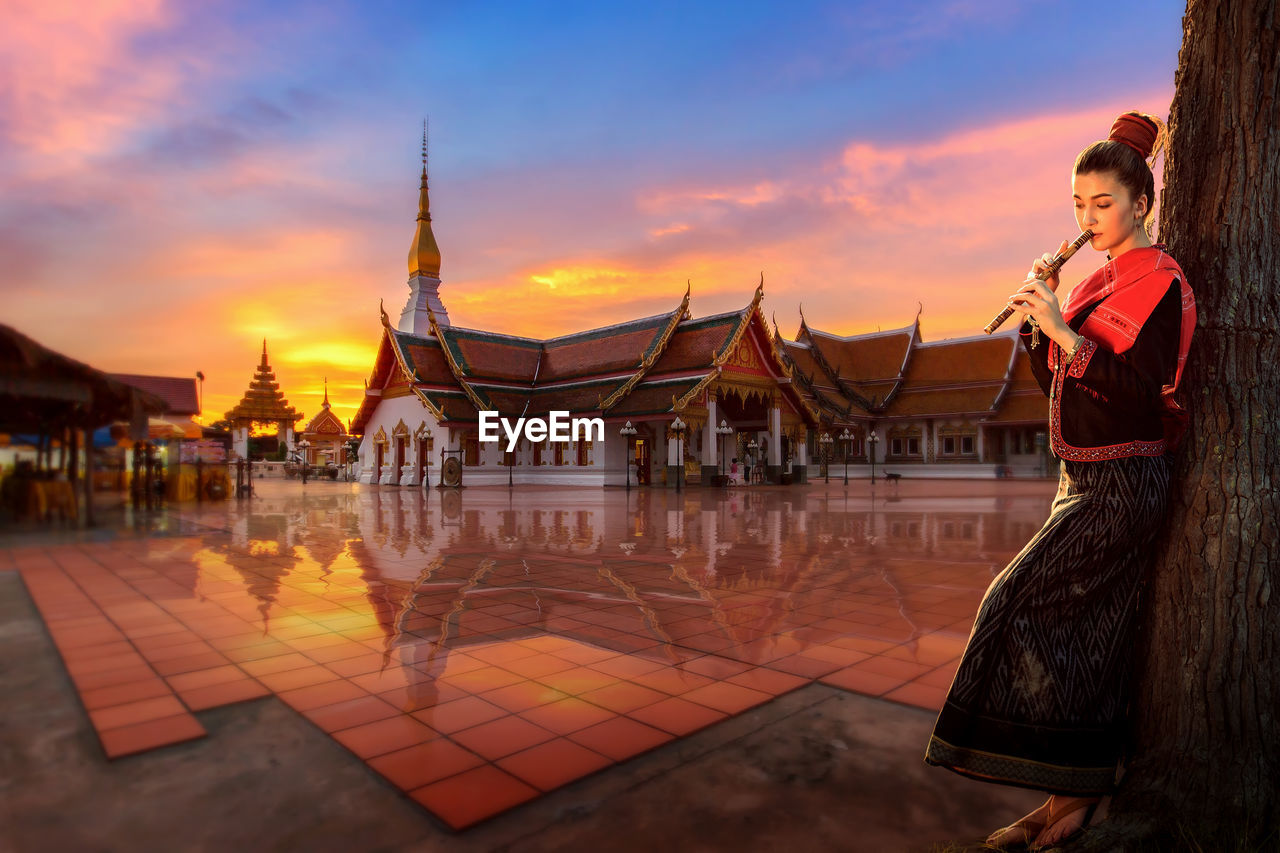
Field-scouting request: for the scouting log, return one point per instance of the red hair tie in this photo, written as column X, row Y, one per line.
column 1135, row 132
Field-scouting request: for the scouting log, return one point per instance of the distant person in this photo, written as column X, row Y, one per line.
column 735, row 472
column 1040, row 696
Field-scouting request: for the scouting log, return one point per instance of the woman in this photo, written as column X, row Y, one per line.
column 1039, row 698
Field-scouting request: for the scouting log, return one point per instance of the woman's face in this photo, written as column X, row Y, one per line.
column 1104, row 207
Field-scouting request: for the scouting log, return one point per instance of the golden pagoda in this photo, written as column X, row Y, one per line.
column 263, row 402
column 424, row 254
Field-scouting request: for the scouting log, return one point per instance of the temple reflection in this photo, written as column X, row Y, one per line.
column 754, row 577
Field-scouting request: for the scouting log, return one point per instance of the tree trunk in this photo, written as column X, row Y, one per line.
column 1207, row 744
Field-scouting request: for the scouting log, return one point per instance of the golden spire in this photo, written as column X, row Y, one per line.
column 326, row 392
column 424, row 254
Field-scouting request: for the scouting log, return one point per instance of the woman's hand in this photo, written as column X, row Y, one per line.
column 1035, row 299
column 1043, row 262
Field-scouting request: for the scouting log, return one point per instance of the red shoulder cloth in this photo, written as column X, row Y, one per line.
column 1130, row 287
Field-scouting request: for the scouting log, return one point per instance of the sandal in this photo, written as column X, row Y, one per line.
column 1019, row 834
column 1055, row 818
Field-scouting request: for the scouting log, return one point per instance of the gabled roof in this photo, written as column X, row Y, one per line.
column 458, row 371
column 178, row 391
column 895, row 374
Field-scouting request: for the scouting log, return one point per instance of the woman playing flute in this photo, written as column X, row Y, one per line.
column 1039, row 699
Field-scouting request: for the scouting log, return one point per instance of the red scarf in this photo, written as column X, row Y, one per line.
column 1131, row 286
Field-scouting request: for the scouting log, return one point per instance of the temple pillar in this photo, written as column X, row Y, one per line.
column 674, row 462
column 710, row 451
column 800, row 465
column 240, row 441
column 774, row 466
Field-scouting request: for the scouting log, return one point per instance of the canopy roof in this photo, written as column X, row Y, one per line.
column 42, row 390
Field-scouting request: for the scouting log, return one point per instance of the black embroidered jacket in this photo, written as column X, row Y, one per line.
column 1104, row 405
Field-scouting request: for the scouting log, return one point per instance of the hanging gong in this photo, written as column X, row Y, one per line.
column 451, row 473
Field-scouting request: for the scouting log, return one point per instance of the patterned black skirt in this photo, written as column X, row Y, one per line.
column 1041, row 694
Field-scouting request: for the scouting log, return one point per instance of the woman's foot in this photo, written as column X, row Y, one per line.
column 1066, row 817
column 1023, row 831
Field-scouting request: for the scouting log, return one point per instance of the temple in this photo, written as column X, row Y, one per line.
column 681, row 396
column 263, row 403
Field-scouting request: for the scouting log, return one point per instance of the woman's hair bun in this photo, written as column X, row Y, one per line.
column 1137, row 130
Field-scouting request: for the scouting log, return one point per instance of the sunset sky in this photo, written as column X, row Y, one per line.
column 181, row 180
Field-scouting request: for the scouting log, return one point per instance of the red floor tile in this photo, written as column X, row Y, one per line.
column 920, row 695
column 567, row 715
column 383, row 736
column 726, row 697
column 176, row 666
column 672, row 681
column 554, row 763
column 470, row 797
column 355, row 712
column 677, row 716
column 538, row 665
column 227, row 693
column 902, row 670
column 144, row 710
column 623, row 696
column 140, row 737
column 449, row 717
column 501, row 737
column 803, row 666
column 292, row 679
column 319, row 695
column 620, row 738
column 424, row 763
column 205, row 677
column 113, row 677
column 277, row 663
column 362, row 664
column 860, row 681
column 522, row 696
column 578, row 680
column 768, row 681
column 483, row 679
column 105, row 697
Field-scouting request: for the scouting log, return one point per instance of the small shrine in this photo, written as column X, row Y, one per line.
column 262, row 405
column 326, row 437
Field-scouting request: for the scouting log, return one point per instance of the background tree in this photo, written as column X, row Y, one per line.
column 1207, row 741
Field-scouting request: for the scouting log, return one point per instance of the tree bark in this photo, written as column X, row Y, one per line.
column 1206, row 741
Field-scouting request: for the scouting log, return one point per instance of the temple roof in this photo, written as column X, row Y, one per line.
column 178, row 391
column 325, row 422
column 264, row 401
column 895, row 374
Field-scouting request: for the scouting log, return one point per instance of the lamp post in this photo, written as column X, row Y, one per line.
column 678, row 427
column 825, row 440
column 846, row 437
column 626, row 432
column 723, row 430
column 752, row 447
column 872, row 441
column 302, row 450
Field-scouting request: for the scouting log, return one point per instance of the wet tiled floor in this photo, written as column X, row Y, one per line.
column 480, row 648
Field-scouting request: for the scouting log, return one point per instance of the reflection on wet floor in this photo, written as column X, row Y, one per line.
column 480, row 647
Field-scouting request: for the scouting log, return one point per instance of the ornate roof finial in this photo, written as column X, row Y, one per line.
column 264, row 350
column 424, row 253
column 326, row 392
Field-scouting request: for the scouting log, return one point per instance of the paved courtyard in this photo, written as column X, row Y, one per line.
column 477, row 650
